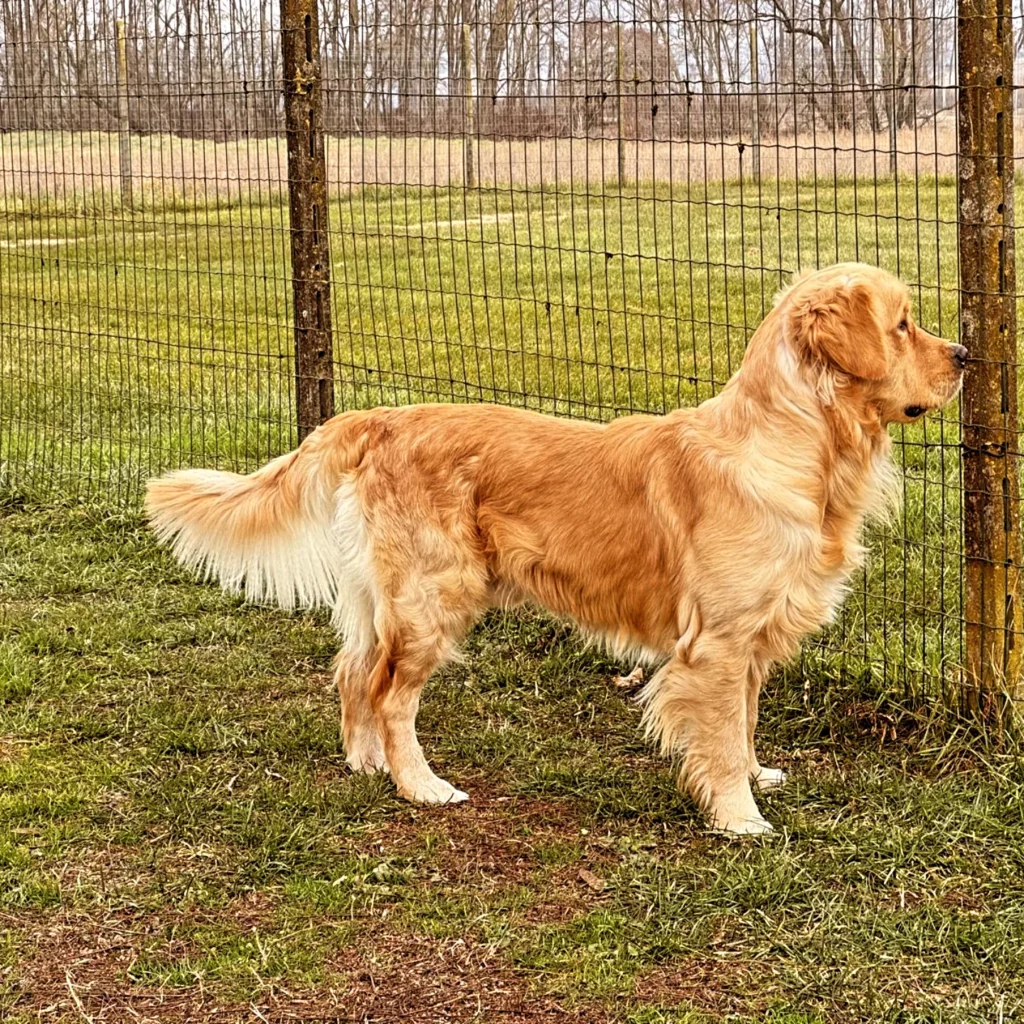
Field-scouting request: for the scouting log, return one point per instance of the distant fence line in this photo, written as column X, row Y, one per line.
column 167, row 168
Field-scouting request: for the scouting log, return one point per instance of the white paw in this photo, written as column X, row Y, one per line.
column 432, row 791
column 769, row 778
column 742, row 826
column 735, row 811
column 367, row 762
column 366, row 753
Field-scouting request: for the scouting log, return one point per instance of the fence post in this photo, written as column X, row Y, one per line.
column 893, row 162
column 467, row 145
column 988, row 328
column 620, row 114
column 755, row 156
column 124, row 137
column 355, row 68
column 307, row 195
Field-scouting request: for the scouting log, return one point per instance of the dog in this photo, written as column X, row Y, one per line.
column 710, row 540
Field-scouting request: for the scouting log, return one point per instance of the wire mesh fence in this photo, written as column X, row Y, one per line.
column 576, row 206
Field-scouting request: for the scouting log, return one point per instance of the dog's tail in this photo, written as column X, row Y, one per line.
column 272, row 534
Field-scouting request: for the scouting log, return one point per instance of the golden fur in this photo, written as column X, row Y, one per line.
column 711, row 539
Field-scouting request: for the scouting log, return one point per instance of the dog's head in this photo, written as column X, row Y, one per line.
column 853, row 325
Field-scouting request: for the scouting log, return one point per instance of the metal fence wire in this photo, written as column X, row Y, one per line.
column 571, row 205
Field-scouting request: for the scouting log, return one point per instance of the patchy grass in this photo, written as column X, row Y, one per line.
column 181, row 840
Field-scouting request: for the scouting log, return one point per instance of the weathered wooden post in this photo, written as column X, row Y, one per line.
column 620, row 114
column 124, row 135
column 893, row 160
column 355, row 69
column 467, row 127
column 307, row 195
column 755, row 147
column 989, row 330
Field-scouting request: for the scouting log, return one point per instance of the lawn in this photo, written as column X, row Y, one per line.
column 182, row 841
column 165, row 337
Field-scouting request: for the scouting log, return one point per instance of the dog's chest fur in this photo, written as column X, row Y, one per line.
column 808, row 591
column 815, row 558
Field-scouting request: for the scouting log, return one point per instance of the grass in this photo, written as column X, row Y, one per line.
column 168, row 335
column 180, row 835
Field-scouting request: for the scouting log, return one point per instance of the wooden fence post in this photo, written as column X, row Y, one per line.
column 893, row 142
column 355, row 68
column 124, row 136
column 992, row 545
column 307, row 195
column 755, row 148
column 467, row 145
column 620, row 114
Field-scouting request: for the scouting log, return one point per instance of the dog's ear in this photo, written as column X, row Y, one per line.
column 838, row 324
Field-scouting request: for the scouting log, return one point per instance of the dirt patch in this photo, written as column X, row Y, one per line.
column 498, row 841
column 415, row 978
column 79, row 967
column 92, row 965
column 84, row 965
column 76, row 966
column 714, row 986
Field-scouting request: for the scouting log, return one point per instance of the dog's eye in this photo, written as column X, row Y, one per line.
column 903, row 325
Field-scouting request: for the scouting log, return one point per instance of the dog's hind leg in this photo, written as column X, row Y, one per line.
column 763, row 778
column 364, row 748
column 419, row 631
column 354, row 611
column 398, row 680
column 696, row 707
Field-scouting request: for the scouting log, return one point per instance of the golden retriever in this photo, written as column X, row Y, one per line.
column 711, row 539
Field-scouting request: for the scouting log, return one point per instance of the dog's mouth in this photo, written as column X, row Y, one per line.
column 936, row 401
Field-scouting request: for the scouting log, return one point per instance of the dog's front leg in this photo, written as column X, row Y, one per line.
column 696, row 707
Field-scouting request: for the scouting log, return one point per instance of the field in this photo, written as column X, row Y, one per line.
column 81, row 169
column 182, row 840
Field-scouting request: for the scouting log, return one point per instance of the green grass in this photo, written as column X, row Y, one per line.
column 178, row 831
column 167, row 336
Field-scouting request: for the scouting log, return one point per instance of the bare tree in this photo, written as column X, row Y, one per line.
column 211, row 67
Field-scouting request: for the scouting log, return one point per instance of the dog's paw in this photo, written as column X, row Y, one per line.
column 734, row 811
column 367, row 757
column 432, row 791
column 367, row 764
column 769, row 778
column 743, row 827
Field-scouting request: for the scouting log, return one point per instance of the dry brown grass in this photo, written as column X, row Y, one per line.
column 38, row 168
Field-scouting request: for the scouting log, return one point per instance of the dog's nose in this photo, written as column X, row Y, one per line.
column 959, row 356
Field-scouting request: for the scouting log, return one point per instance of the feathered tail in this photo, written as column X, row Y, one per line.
column 271, row 534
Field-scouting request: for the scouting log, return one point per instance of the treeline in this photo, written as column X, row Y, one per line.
column 663, row 69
